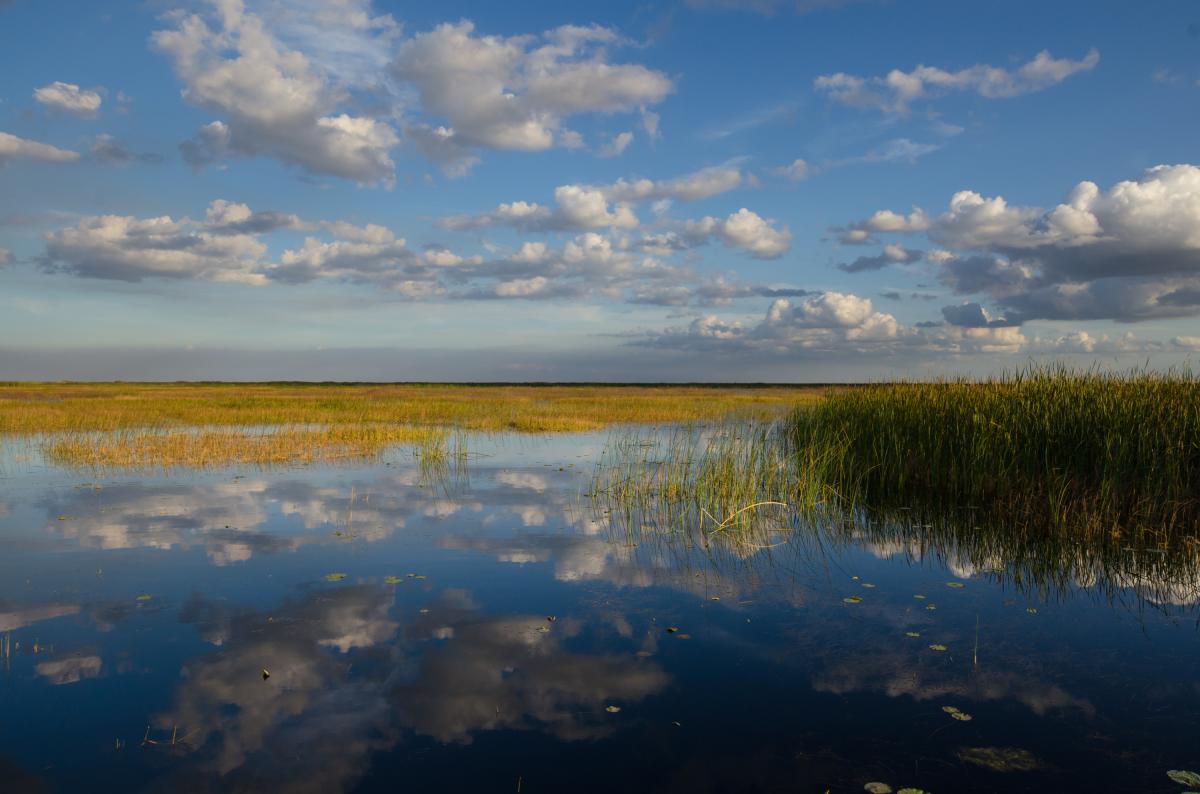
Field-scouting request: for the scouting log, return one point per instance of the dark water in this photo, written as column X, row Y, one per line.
column 139, row 613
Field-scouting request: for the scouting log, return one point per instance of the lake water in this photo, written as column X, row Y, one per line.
column 376, row 628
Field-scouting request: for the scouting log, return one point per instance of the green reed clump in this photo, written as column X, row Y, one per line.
column 722, row 476
column 1045, row 441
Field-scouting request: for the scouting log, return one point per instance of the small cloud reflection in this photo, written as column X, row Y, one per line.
column 70, row 670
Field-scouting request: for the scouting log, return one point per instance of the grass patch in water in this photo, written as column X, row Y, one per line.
column 136, row 449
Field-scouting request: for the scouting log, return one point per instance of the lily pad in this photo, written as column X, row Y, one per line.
column 392, row 580
column 931, row 607
column 950, row 709
column 876, row 787
column 868, row 585
column 938, row 647
column 334, row 577
column 919, row 597
column 144, row 597
column 962, row 716
column 612, row 709
column 1031, row 610
column 1000, row 759
column 955, row 585
column 1184, row 777
column 912, row 634
column 853, row 599
column 912, row 791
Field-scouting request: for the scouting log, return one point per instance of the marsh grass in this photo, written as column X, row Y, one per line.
column 127, row 425
column 1097, row 452
column 139, row 449
column 79, row 407
column 1048, row 478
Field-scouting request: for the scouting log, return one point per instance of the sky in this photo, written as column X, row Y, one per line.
column 686, row 190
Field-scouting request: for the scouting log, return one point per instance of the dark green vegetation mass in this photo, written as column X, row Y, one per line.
column 1055, row 446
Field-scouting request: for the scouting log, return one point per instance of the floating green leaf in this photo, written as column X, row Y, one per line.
column 961, row 716
column 868, row 585
column 931, row 607
column 853, row 599
column 938, row 647
column 392, row 580
column 912, row 791
column 1000, row 759
column 612, row 709
column 919, row 597
column 1184, row 777
column 955, row 585
column 912, row 634
column 144, row 597
column 878, row 788
column 950, row 709
column 334, row 577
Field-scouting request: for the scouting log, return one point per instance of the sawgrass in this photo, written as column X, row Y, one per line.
column 146, row 425
column 139, row 449
column 75, row 407
column 1045, row 450
column 1046, row 443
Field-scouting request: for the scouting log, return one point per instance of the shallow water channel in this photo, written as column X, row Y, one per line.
column 377, row 627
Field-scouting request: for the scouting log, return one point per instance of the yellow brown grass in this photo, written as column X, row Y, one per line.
column 149, row 425
column 141, row 449
column 80, row 407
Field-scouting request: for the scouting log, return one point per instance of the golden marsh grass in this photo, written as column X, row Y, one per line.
column 154, row 425
column 74, row 407
column 141, row 449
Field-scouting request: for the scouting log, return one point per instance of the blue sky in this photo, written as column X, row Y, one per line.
column 801, row 190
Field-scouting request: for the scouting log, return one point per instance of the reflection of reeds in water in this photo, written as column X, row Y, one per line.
column 442, row 460
column 283, row 446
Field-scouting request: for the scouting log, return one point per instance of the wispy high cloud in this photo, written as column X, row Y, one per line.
column 898, row 90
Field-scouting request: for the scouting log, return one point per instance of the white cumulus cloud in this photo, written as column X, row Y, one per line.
column 69, row 98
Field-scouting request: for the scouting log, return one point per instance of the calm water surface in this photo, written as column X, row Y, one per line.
column 491, row 631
